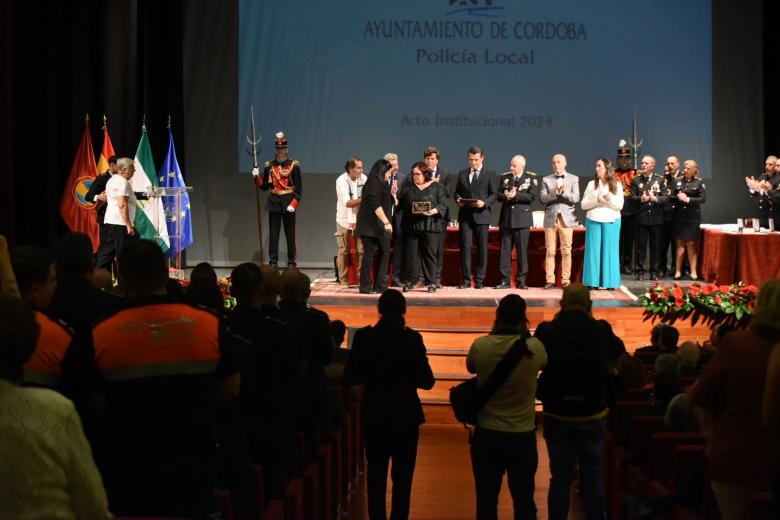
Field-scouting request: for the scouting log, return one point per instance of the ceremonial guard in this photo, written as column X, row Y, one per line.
column 516, row 192
column 648, row 192
column 283, row 177
column 625, row 174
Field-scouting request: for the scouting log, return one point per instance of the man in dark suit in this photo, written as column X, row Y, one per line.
column 475, row 193
column 397, row 182
column 97, row 194
column 516, row 191
column 431, row 155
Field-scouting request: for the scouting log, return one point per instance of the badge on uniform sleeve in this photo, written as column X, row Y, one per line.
column 641, row 185
column 679, row 183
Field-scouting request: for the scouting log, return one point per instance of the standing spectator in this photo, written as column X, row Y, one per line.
column 505, row 437
column 374, row 226
column 389, row 360
column 349, row 190
column 603, row 201
column 742, row 451
column 560, row 192
column 47, row 467
column 574, row 388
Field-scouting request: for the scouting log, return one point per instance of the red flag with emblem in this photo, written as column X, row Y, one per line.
column 77, row 213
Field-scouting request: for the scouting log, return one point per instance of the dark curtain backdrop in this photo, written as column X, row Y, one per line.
column 63, row 60
column 127, row 58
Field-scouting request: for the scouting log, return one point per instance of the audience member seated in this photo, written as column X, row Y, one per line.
column 731, row 387
column 709, row 348
column 666, row 381
column 689, row 354
column 174, row 290
column 771, row 411
column 389, row 360
column 663, row 339
column 47, row 467
column 269, row 374
column 631, row 374
column 203, row 289
column 165, row 365
column 272, row 287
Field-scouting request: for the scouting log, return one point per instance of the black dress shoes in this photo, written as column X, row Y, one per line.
column 408, row 287
column 522, row 285
column 654, row 277
column 549, row 286
column 464, row 285
column 502, row 285
column 625, row 270
column 640, row 276
column 479, row 285
column 432, row 288
column 367, row 291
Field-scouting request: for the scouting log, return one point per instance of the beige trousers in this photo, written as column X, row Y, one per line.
column 342, row 257
column 550, row 242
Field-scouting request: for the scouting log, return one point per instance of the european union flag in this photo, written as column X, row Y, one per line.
column 170, row 177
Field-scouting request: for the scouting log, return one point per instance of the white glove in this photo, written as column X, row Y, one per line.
column 256, row 172
column 290, row 209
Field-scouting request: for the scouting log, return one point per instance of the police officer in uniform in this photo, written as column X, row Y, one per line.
column 761, row 189
column 648, row 192
column 671, row 174
column 283, row 177
column 688, row 193
column 516, row 191
column 625, row 174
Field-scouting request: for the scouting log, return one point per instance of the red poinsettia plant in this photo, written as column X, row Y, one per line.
column 224, row 288
column 710, row 303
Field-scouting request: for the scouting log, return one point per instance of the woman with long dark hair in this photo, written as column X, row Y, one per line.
column 373, row 226
column 603, row 200
column 389, row 360
column 422, row 226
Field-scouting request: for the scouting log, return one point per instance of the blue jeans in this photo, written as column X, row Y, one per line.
column 492, row 454
column 572, row 444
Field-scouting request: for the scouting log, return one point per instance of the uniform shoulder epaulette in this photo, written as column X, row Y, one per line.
column 296, row 163
column 531, row 173
column 267, row 164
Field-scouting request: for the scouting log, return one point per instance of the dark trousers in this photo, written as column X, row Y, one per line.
column 383, row 445
column 276, row 220
column 105, row 252
column 420, row 252
column 627, row 234
column 516, row 238
column 399, row 270
column 440, row 251
column 645, row 234
column 370, row 246
column 467, row 232
column 112, row 243
column 667, row 247
column 572, row 444
column 494, row 453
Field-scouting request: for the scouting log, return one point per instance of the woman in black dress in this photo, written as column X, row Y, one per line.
column 688, row 194
column 422, row 228
column 373, row 227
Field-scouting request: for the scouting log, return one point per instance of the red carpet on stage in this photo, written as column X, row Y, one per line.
column 330, row 289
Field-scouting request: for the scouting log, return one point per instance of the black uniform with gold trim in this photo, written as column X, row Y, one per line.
column 650, row 220
column 687, row 215
column 767, row 206
column 514, row 223
column 283, row 178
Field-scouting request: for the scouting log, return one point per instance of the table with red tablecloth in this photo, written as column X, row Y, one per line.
column 726, row 257
column 451, row 274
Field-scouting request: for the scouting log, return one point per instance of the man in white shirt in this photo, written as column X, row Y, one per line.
column 121, row 205
column 349, row 188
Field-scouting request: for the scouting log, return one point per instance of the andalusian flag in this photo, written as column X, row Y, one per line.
column 107, row 152
column 170, row 175
column 150, row 223
column 77, row 212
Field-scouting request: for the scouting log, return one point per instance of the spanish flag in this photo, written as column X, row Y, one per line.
column 76, row 211
column 107, row 152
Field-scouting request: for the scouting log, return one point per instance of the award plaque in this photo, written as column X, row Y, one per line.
column 421, row 206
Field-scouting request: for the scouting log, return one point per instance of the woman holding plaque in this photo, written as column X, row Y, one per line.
column 423, row 203
column 373, row 227
column 688, row 194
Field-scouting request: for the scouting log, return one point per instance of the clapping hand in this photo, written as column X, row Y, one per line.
column 682, row 197
column 645, row 197
column 510, row 194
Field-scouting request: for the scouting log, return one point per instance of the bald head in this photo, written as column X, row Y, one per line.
column 576, row 297
column 559, row 163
